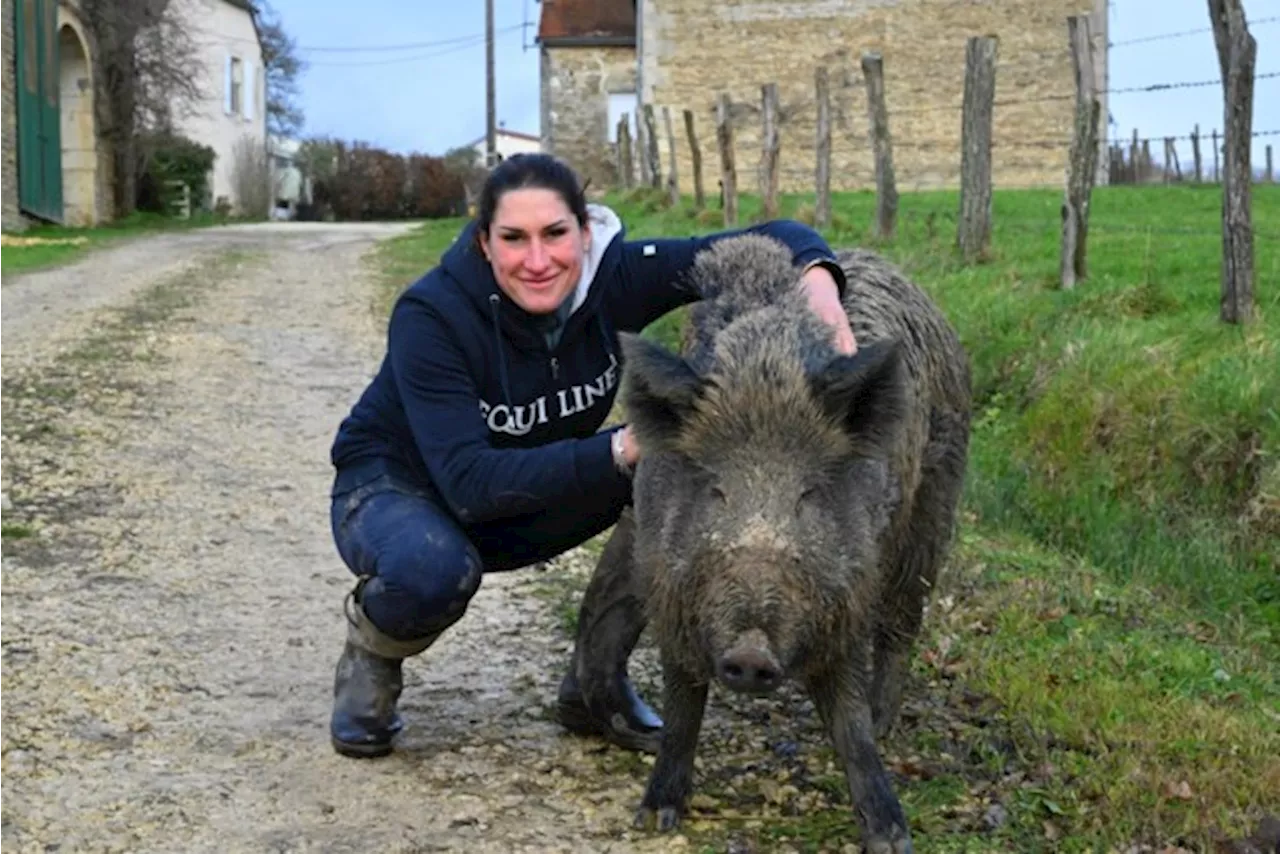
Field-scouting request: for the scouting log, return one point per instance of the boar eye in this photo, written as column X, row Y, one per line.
column 809, row 497
column 718, row 494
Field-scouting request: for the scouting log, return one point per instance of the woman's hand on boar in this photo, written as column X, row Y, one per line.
column 824, row 299
column 626, row 451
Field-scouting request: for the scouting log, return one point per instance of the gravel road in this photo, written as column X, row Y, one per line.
column 172, row 598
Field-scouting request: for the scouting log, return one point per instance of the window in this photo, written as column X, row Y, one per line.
column 235, row 85
column 619, row 103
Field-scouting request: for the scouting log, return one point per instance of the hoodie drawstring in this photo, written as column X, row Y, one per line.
column 604, row 333
column 502, row 359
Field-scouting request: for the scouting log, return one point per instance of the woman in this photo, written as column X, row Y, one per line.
column 476, row 448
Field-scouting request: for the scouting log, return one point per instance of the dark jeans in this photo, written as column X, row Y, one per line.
column 425, row 565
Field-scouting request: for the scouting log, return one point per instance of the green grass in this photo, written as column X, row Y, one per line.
column 21, row 258
column 1115, row 596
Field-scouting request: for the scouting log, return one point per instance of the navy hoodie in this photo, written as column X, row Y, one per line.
column 473, row 402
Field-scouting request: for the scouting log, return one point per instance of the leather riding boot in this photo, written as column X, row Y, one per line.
column 596, row 696
column 367, row 683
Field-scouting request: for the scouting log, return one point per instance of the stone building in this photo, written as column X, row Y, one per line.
column 688, row 52
column 588, row 56
column 53, row 167
column 10, row 219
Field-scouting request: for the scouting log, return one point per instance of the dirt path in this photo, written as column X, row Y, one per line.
column 172, row 599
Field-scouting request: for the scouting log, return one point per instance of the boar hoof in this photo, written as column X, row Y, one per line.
column 897, row 843
column 666, row 819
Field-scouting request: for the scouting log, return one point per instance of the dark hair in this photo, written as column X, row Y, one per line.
column 529, row 169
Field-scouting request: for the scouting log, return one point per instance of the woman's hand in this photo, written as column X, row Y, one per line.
column 824, row 299
column 626, row 451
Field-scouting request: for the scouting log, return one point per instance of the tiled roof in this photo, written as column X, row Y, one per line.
column 588, row 21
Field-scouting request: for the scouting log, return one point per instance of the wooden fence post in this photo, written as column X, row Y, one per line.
column 1135, row 158
column 1271, row 176
column 651, row 148
column 1171, row 156
column 695, row 155
column 673, row 181
column 1082, row 163
column 974, row 236
column 769, row 151
column 639, row 149
column 1217, row 171
column 878, row 114
column 728, row 170
column 822, row 178
column 1195, row 152
column 626, row 165
column 1237, row 51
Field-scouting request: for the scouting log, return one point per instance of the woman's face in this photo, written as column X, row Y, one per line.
column 536, row 248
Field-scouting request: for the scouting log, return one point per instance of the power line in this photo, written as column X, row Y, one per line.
column 410, row 45
column 386, row 48
column 474, row 41
column 1184, row 33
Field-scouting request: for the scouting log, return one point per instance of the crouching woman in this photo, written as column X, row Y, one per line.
column 477, row 446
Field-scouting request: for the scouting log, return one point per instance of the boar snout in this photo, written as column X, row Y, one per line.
column 749, row 666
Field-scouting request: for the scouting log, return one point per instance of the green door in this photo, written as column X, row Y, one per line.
column 39, row 131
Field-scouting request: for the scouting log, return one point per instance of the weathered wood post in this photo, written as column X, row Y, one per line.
column 673, row 182
column 651, row 148
column 1217, row 170
column 974, row 237
column 1171, row 157
column 627, row 166
column 769, row 145
column 1135, row 159
column 1237, row 51
column 878, row 116
column 641, row 147
column 822, row 177
column 695, row 158
column 1082, row 156
column 1271, row 176
column 1195, row 152
column 728, row 170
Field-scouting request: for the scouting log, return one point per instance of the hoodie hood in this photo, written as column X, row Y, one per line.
column 466, row 265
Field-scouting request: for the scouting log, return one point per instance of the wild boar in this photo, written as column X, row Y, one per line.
column 793, row 505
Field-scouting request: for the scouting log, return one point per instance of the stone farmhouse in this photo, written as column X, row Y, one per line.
column 57, row 166
column 600, row 58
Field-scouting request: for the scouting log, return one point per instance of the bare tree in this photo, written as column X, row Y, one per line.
column 145, row 77
column 251, row 178
column 282, row 64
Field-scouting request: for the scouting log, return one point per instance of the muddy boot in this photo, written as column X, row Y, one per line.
column 367, row 684
column 596, row 696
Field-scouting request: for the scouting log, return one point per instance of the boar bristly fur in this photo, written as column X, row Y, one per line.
column 793, row 504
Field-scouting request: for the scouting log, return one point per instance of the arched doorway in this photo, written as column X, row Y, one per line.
column 79, row 153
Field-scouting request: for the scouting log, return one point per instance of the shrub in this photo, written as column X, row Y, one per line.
column 368, row 183
column 169, row 160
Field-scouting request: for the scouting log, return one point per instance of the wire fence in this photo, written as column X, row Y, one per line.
column 988, row 141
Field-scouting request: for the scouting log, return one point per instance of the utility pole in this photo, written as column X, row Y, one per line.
column 491, row 133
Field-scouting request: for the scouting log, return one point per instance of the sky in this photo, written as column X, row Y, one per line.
column 409, row 75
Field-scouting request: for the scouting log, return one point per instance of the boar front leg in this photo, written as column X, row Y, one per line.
column 840, row 699
column 684, row 700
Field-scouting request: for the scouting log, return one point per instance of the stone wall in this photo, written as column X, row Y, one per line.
column 576, row 84
column 11, row 217
column 693, row 50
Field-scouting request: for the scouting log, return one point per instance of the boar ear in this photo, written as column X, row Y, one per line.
column 866, row 391
column 659, row 390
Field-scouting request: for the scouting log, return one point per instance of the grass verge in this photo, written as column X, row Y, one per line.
column 44, row 246
column 1101, row 671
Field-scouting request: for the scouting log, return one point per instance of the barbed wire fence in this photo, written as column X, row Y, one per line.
column 1089, row 158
